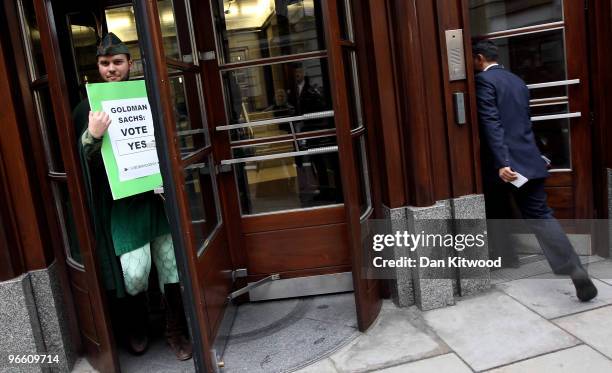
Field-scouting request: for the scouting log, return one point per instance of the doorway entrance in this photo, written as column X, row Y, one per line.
column 261, row 142
column 544, row 42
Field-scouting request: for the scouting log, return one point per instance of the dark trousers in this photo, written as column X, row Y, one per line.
column 505, row 201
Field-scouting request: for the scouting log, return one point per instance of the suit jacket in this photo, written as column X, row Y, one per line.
column 507, row 139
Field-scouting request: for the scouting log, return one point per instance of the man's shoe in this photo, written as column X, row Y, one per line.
column 585, row 289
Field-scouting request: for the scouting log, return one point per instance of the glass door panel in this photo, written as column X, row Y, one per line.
column 255, row 29
column 488, row 16
column 278, row 90
column 536, row 58
column 279, row 113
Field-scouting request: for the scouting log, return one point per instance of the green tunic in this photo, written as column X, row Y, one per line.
column 120, row 226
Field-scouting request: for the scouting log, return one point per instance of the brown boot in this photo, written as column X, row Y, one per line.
column 176, row 326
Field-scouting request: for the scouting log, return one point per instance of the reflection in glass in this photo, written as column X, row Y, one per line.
column 361, row 167
column 277, row 91
column 536, row 58
column 84, row 44
column 66, row 221
column 168, row 22
column 122, row 22
column 553, row 136
column 354, row 89
column 254, row 29
column 203, row 197
column 488, row 16
column 46, row 119
column 291, row 182
column 32, row 37
column 345, row 18
column 191, row 129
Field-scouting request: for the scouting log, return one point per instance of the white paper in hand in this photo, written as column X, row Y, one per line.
column 520, row 180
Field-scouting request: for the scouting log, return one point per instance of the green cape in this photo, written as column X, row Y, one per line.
column 120, row 226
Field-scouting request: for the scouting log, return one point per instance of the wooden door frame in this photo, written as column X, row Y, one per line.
column 25, row 112
column 103, row 352
column 577, row 63
column 581, row 178
column 599, row 20
column 348, row 174
column 367, row 292
column 158, row 88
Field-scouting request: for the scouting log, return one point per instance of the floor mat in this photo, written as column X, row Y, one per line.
column 285, row 335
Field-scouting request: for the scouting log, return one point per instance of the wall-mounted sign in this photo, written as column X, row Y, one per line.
column 128, row 147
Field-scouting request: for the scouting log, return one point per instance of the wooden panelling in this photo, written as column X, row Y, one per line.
column 11, row 261
column 27, row 236
column 600, row 39
column 382, row 101
column 86, row 317
column 215, row 278
column 295, row 249
column 460, row 138
column 581, row 137
column 288, row 220
column 561, row 200
column 560, row 179
column 411, row 79
column 436, row 110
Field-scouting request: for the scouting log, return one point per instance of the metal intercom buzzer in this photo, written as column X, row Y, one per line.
column 456, row 54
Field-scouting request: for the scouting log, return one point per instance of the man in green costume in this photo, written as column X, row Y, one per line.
column 129, row 231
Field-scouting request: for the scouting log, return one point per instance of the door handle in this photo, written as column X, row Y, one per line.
column 556, row 116
column 267, row 157
column 558, row 83
column 299, row 118
column 459, row 105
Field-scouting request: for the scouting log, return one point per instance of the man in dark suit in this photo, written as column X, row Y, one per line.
column 509, row 151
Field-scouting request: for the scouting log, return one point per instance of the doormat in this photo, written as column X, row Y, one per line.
column 285, row 335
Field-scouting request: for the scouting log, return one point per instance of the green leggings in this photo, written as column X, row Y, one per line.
column 136, row 265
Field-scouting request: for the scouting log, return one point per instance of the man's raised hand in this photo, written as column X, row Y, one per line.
column 98, row 123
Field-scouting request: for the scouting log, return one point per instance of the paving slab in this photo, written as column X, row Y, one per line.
column 593, row 327
column 553, row 297
column 493, row 329
column 448, row 363
column 601, row 270
column 82, row 366
column 576, row 359
column 322, row 366
column 394, row 339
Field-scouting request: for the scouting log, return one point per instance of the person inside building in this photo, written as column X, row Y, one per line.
column 282, row 107
column 130, row 232
column 509, row 151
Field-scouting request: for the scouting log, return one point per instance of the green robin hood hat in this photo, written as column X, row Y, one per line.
column 111, row 45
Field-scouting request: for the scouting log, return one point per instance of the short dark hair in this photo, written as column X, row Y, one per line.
column 487, row 48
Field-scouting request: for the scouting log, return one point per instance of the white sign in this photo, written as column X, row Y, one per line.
column 131, row 136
